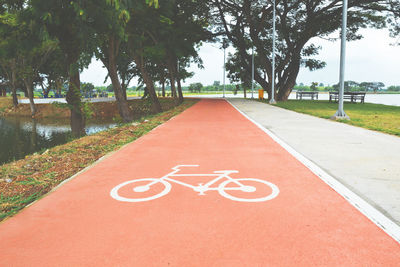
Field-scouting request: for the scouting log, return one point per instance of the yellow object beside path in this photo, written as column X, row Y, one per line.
column 261, row 94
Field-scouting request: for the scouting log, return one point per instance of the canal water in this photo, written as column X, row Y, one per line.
column 22, row 136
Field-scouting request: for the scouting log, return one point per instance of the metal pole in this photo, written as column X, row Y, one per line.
column 340, row 114
column 272, row 101
column 224, row 72
column 252, row 72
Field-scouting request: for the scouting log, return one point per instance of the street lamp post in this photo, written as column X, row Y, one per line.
column 224, row 73
column 272, row 101
column 340, row 114
column 224, row 46
column 252, row 72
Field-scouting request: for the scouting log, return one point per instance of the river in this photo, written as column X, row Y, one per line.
column 22, row 136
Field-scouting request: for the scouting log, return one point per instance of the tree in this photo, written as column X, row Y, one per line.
column 236, row 74
column 394, row 88
column 393, row 14
column 109, row 22
column 169, row 37
column 87, row 88
column 216, row 85
column 372, row 86
column 195, row 87
column 66, row 20
column 247, row 24
column 349, row 86
column 143, row 47
column 8, row 43
column 110, row 88
column 33, row 50
column 54, row 72
column 313, row 86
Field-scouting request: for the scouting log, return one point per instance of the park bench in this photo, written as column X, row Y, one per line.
column 352, row 96
column 301, row 94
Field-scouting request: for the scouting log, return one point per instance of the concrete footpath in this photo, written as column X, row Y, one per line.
column 367, row 162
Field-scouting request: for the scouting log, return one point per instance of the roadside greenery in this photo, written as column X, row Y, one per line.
column 376, row 117
column 247, row 26
column 47, row 44
column 27, row 180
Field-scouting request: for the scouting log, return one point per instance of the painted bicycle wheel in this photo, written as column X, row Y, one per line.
column 140, row 190
column 249, row 190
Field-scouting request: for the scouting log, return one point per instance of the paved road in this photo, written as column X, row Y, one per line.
column 110, row 216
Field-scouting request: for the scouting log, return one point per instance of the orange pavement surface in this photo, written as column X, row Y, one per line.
column 307, row 224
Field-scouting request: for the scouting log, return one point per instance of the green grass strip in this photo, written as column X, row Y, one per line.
column 382, row 118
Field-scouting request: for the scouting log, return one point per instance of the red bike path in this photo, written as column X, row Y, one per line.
column 306, row 224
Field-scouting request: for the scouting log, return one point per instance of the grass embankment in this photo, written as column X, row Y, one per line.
column 376, row 117
column 97, row 110
column 26, row 180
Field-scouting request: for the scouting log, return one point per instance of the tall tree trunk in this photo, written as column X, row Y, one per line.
column 180, row 93
column 14, row 88
column 124, row 111
column 124, row 88
column 29, row 89
column 111, row 63
column 286, row 86
column 23, row 88
column 172, row 82
column 172, row 77
column 149, row 83
column 74, row 98
column 178, row 81
column 44, row 88
column 163, row 87
column 58, row 83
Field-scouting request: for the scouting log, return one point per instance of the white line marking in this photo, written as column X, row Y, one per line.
column 364, row 207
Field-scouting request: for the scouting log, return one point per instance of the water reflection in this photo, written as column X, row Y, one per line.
column 22, row 136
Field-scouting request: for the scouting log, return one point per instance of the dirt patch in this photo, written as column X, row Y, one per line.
column 26, row 180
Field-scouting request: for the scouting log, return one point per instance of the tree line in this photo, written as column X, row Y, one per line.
column 247, row 25
column 48, row 43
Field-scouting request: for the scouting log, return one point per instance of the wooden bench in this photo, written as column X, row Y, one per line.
column 352, row 96
column 301, row 94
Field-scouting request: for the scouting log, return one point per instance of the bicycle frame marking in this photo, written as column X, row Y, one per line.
column 200, row 188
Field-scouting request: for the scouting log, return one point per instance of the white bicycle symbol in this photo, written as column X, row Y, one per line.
column 222, row 188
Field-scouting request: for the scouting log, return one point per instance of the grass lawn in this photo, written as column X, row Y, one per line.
column 376, row 117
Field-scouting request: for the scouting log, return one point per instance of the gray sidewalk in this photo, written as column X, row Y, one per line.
column 366, row 162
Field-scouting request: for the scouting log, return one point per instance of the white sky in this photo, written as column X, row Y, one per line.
column 369, row 59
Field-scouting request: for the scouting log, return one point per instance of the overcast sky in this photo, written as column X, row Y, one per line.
column 369, row 59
